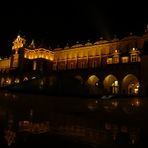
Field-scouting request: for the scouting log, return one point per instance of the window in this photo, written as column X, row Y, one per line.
column 115, row 60
column 109, row 61
column 125, row 59
column 34, row 65
column 133, row 58
column 72, row 65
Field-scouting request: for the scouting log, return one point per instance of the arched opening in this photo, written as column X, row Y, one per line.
column 111, row 85
column 93, row 85
column 79, row 78
column 93, row 80
column 130, row 85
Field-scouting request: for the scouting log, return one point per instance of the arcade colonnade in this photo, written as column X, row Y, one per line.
column 110, row 84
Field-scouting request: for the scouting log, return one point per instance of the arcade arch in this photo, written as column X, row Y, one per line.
column 79, row 78
column 130, row 85
column 92, row 84
column 111, row 84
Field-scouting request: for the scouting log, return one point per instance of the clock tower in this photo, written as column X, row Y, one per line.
column 18, row 44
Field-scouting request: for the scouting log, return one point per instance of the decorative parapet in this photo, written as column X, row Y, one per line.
column 39, row 53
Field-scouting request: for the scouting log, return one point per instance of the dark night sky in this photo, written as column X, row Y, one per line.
column 60, row 22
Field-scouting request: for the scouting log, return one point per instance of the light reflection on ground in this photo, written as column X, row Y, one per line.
column 111, row 122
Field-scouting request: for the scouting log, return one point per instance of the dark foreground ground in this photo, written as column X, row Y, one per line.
column 108, row 115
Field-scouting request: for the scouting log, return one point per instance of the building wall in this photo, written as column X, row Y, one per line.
column 5, row 63
column 102, row 63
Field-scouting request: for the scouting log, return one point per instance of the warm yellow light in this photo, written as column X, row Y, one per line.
column 25, row 79
column 136, row 102
column 116, row 83
column 115, row 103
column 51, row 58
column 17, row 80
column 8, row 81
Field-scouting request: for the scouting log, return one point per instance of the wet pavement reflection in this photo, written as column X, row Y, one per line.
column 84, row 122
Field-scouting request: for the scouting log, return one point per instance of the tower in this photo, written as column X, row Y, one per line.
column 16, row 57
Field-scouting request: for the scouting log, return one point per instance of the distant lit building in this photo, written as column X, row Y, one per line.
column 117, row 66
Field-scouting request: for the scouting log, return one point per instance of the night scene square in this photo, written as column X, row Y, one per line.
column 74, row 74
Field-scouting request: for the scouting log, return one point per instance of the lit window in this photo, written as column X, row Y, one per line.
column 115, row 59
column 109, row 61
column 133, row 58
column 34, row 65
column 124, row 59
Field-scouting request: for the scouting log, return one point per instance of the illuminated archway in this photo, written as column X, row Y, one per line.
column 130, row 85
column 93, row 80
column 111, row 84
column 93, row 85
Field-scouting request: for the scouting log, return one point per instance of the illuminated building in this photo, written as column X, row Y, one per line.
column 117, row 66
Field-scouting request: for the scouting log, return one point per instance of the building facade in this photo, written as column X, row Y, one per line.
column 117, row 66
